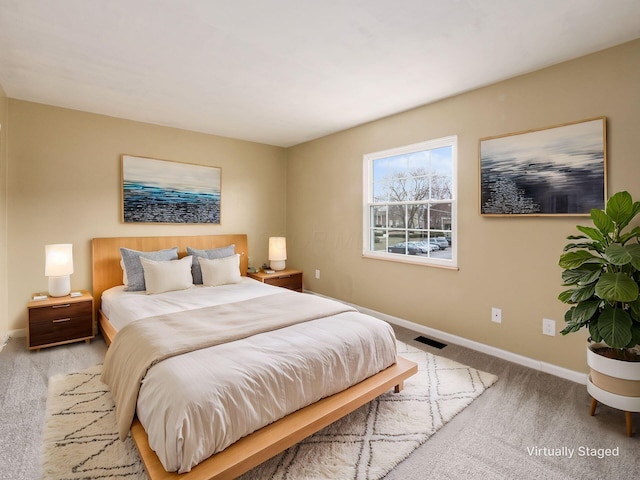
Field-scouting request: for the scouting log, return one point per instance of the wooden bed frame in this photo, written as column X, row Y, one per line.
column 252, row 450
column 107, row 272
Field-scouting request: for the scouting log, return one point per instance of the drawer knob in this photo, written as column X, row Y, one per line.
column 64, row 305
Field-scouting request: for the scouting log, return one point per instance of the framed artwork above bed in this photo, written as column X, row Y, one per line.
column 162, row 191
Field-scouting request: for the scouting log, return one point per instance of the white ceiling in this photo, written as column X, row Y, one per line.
column 283, row 72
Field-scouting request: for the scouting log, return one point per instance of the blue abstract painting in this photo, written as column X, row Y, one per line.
column 161, row 191
column 552, row 171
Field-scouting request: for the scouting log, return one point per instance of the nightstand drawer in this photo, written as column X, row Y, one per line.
column 60, row 329
column 292, row 281
column 46, row 314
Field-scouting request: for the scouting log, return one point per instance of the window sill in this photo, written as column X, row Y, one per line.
column 413, row 260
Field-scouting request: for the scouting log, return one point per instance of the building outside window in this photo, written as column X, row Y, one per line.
column 410, row 203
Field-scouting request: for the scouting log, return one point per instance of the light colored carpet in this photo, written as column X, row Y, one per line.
column 81, row 441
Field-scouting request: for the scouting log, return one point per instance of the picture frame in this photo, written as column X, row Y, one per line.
column 558, row 170
column 164, row 191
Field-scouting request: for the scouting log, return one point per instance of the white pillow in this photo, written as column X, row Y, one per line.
column 168, row 275
column 220, row 271
column 134, row 280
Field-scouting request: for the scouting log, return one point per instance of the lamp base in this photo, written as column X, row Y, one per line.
column 277, row 265
column 59, row 286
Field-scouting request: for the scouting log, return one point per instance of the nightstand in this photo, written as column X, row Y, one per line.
column 59, row 320
column 291, row 279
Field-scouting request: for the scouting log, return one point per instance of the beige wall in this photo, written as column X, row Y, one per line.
column 4, row 313
column 64, row 187
column 509, row 263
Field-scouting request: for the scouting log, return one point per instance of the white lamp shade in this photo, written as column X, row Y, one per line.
column 277, row 252
column 58, row 260
column 58, row 266
column 277, row 248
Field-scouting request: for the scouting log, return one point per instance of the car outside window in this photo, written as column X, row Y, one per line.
column 410, row 203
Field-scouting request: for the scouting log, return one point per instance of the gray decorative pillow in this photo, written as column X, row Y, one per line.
column 133, row 267
column 196, row 270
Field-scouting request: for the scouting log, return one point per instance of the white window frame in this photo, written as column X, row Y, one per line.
column 368, row 203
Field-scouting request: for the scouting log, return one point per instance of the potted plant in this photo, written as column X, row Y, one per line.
column 602, row 267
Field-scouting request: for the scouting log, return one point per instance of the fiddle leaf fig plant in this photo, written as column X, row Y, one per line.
column 602, row 267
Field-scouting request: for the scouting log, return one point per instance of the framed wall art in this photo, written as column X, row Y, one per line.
column 162, row 191
column 558, row 170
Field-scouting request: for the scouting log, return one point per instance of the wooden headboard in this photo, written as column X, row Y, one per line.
column 105, row 252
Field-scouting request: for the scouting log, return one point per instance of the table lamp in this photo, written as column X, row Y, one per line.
column 277, row 253
column 59, row 267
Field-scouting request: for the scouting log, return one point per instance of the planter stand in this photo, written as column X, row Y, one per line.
column 620, row 402
column 627, row 417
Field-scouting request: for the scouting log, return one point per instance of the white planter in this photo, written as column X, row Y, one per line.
column 614, row 382
column 611, row 366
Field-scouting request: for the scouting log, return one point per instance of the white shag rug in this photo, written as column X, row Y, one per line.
column 81, row 439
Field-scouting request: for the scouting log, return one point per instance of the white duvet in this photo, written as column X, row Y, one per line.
column 197, row 404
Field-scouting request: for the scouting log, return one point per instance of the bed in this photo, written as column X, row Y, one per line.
column 266, row 441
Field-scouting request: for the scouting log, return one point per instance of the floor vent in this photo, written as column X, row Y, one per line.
column 430, row 342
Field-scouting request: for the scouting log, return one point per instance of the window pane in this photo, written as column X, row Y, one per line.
column 378, row 240
column 442, row 168
column 396, row 216
column 442, row 247
column 418, row 216
column 440, row 216
column 379, row 216
column 442, row 160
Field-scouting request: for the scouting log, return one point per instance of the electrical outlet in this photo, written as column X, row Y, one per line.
column 317, row 274
column 549, row 327
column 496, row 315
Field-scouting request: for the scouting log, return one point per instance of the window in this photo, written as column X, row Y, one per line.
column 410, row 203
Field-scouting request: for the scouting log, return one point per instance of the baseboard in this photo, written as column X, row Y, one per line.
column 445, row 337
column 21, row 332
